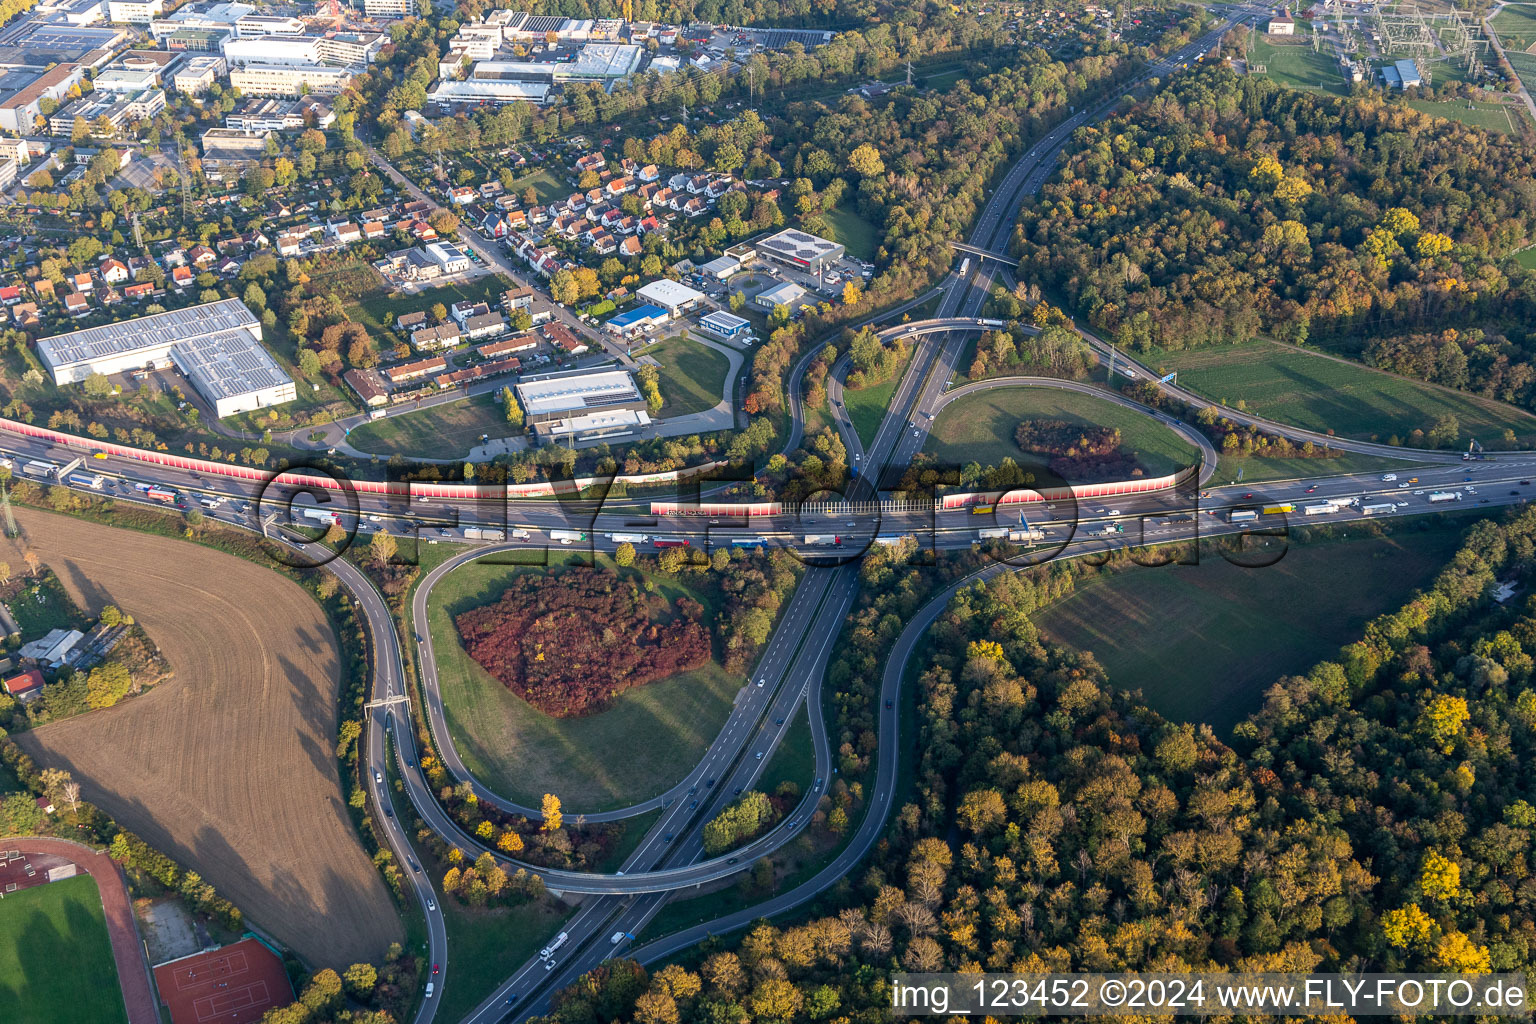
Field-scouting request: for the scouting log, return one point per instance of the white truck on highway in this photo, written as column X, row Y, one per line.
column 567, row 536
column 38, row 469
column 1322, row 508
column 1026, row 535
column 997, row 533
column 822, row 540
column 549, row 950
column 1438, row 496
column 1379, row 508
column 630, row 538
column 483, row 533
column 1243, row 515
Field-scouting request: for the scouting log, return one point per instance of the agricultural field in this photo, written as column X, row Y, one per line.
column 1297, row 66
column 1516, row 26
column 438, row 431
column 1525, row 67
column 1204, row 642
column 1493, row 117
column 592, row 763
column 229, row 767
column 55, row 957
column 692, row 375
column 1323, row 393
column 979, row 428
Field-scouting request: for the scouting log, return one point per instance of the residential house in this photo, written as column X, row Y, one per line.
column 10, row 294
column 113, row 271
column 83, row 283
column 139, row 290
column 25, row 314
column 407, row 322
column 76, row 304
column 182, row 277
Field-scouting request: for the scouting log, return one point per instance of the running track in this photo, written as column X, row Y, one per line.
column 132, row 974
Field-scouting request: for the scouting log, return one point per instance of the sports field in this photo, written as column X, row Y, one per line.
column 1322, row 393
column 229, row 767
column 979, row 428
column 1204, row 642
column 692, row 375
column 644, row 742
column 55, row 958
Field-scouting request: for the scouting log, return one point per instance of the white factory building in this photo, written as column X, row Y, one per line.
column 217, row 345
column 585, row 404
column 669, row 295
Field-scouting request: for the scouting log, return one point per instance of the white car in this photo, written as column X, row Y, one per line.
column 378, row 777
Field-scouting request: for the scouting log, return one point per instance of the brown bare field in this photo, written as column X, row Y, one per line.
column 229, row 767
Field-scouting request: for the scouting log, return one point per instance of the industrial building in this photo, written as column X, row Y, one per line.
column 217, row 345
column 230, row 147
column 725, row 325
column 669, row 295
column 1402, row 74
column 280, row 115
column 476, row 90
column 785, row 294
column 641, row 318
column 606, row 403
column 20, row 110
column 795, row 248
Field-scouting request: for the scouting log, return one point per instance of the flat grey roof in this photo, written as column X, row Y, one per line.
column 228, row 364
column 148, row 332
column 578, row 393
column 799, row 245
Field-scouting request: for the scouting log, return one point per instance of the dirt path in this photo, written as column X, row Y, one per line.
column 230, row 766
column 132, row 971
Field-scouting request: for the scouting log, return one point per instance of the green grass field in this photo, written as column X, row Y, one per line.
column 979, row 428
column 1297, row 66
column 549, row 186
column 692, row 375
column 55, row 957
column 1526, row 258
column 1321, row 393
column 1254, row 470
column 795, row 760
column 378, row 312
column 867, row 406
column 1203, row 642
column 853, row 232
column 486, row 946
column 1493, row 117
column 1516, row 26
column 644, row 742
column 43, row 604
column 439, row 431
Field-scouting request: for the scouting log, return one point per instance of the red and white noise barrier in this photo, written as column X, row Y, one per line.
column 416, row 489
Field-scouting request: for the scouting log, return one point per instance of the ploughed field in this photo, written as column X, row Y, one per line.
column 229, row 767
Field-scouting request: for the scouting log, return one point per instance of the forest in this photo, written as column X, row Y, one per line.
column 569, row 642
column 1224, row 207
column 1372, row 814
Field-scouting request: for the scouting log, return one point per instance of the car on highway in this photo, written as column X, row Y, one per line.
column 778, row 721
column 432, row 906
column 436, row 968
column 693, row 806
column 890, row 704
column 666, row 837
column 1311, row 489
column 378, row 777
column 415, row 866
column 759, row 755
column 763, row 681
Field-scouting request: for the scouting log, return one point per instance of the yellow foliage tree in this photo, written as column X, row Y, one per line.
column 1444, row 718
column 984, row 649
column 1439, row 877
column 1407, row 927
column 552, row 816
column 510, row 842
column 1456, row 952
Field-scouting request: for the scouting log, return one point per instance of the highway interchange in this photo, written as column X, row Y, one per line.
column 790, row 671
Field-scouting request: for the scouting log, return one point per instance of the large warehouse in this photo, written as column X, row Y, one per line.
column 217, row 345
column 669, row 295
column 583, row 404
column 795, row 248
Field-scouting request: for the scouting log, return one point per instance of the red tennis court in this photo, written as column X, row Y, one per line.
column 233, row 985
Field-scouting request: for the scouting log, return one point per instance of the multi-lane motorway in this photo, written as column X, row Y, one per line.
column 790, row 671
